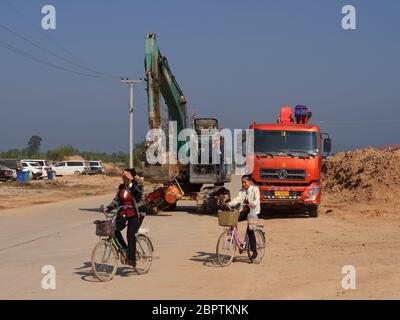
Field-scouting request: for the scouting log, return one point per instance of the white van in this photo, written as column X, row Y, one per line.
column 71, row 167
column 96, row 167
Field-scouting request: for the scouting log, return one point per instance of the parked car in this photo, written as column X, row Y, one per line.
column 13, row 164
column 71, row 167
column 14, row 177
column 43, row 163
column 36, row 171
column 96, row 167
column 6, row 173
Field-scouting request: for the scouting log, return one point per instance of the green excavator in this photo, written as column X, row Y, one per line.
column 203, row 183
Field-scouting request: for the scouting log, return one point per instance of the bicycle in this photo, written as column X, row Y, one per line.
column 108, row 250
column 229, row 240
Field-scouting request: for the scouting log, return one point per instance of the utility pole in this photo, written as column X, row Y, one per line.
column 131, row 84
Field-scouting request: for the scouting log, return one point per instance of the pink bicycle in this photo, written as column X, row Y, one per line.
column 229, row 239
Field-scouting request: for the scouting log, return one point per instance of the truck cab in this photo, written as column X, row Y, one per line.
column 287, row 161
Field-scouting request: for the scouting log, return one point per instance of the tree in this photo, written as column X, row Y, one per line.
column 34, row 145
column 138, row 153
column 62, row 151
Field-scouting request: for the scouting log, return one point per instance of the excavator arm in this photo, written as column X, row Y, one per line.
column 178, row 179
column 161, row 81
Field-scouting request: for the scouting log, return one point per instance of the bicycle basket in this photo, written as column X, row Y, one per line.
column 228, row 218
column 104, row 228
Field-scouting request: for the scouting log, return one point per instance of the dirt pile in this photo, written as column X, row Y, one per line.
column 71, row 158
column 364, row 175
column 113, row 169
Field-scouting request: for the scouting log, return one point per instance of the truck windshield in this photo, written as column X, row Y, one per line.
column 297, row 142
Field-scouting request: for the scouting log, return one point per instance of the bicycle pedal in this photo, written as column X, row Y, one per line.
column 123, row 259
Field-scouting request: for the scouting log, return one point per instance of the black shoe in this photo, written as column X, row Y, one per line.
column 254, row 256
column 132, row 263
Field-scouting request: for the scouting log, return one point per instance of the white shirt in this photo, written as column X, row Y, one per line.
column 252, row 194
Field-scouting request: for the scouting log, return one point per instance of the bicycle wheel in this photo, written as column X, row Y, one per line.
column 144, row 254
column 260, row 241
column 226, row 248
column 104, row 260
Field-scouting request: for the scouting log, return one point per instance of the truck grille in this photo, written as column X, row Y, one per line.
column 269, row 194
column 282, row 174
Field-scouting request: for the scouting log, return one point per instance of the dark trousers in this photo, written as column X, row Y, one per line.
column 133, row 227
column 250, row 233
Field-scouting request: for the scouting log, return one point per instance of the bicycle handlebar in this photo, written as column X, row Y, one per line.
column 227, row 207
column 113, row 213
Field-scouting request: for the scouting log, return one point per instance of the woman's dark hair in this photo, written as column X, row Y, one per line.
column 249, row 178
column 132, row 171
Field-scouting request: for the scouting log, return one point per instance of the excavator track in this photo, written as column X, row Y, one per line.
column 210, row 199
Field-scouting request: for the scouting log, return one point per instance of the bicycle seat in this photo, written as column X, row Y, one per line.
column 143, row 231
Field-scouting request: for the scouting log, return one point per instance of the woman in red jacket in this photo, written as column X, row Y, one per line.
column 129, row 196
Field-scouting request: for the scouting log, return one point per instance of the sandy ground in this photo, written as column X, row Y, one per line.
column 336, row 206
column 304, row 257
column 15, row 195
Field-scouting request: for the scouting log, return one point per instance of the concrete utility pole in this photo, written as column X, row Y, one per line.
column 131, row 84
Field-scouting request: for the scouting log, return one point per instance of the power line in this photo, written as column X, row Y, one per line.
column 142, row 95
column 36, row 59
column 52, row 53
column 44, row 34
column 80, row 64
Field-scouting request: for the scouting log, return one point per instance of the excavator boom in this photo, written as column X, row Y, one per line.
column 161, row 81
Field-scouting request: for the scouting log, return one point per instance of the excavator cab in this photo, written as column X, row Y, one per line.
column 205, row 124
column 215, row 171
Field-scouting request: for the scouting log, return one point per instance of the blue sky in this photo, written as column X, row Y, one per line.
column 238, row 61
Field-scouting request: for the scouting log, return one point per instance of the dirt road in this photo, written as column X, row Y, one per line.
column 304, row 258
column 16, row 195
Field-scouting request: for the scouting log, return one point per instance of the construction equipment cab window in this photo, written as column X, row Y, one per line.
column 282, row 140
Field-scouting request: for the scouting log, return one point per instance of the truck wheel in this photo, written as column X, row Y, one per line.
column 313, row 211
